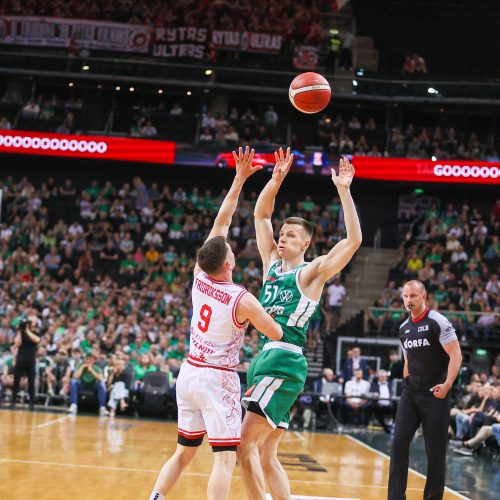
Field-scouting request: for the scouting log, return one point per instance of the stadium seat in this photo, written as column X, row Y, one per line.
column 155, row 393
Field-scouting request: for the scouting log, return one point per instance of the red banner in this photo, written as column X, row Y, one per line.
column 404, row 169
column 87, row 146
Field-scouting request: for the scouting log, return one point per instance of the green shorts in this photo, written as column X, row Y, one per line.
column 275, row 378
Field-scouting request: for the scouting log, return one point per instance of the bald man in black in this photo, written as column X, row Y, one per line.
column 432, row 360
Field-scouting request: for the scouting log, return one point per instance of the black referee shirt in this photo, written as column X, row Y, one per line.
column 422, row 339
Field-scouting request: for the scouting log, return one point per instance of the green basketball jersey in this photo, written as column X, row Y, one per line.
column 282, row 297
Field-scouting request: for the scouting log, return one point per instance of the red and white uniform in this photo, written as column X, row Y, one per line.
column 208, row 387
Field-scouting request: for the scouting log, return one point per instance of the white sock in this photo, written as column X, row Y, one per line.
column 156, row 495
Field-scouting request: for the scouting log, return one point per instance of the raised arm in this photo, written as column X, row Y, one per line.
column 323, row 268
column 244, row 170
column 249, row 308
column 265, row 206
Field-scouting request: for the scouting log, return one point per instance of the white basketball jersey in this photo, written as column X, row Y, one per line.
column 216, row 335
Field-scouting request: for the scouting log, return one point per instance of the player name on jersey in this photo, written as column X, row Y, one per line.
column 209, row 290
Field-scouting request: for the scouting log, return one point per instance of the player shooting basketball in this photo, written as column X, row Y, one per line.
column 208, row 387
column 291, row 292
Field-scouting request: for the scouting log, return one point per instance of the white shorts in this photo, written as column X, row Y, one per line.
column 208, row 401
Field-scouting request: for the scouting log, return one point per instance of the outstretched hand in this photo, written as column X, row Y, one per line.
column 283, row 164
column 243, row 161
column 345, row 175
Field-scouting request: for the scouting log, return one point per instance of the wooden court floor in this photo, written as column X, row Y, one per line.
column 54, row 456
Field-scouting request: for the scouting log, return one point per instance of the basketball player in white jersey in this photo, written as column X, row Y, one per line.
column 208, row 387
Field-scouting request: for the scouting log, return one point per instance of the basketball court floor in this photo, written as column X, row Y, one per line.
column 56, row 456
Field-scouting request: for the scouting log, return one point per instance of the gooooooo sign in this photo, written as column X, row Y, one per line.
column 485, row 172
column 53, row 144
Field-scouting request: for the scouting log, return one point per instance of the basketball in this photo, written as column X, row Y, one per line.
column 310, row 92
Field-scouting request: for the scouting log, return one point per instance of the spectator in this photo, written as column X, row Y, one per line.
column 354, row 123
column 119, row 381
column 176, row 110
column 354, row 391
column 208, row 121
column 420, row 66
column 88, row 376
column 336, row 294
column 381, row 390
column 148, row 129
column 346, row 50
column 63, row 128
column 231, row 136
column 327, row 388
column 58, row 375
column 409, row 66
column 395, row 369
column 140, row 371
column 5, row 123
column 270, row 118
column 52, row 260
column 31, row 109
column 354, row 363
column 206, row 135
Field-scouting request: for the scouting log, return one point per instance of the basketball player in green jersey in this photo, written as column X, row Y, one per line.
column 291, row 292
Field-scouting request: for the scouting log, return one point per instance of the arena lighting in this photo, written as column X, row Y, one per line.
column 433, row 158
column 85, row 67
column 131, row 89
column 355, row 83
column 208, row 72
column 70, row 84
column 432, row 90
column 160, row 91
column 188, row 92
column 99, row 86
column 117, row 88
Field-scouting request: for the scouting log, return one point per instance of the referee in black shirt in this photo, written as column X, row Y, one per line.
column 26, row 340
column 432, row 361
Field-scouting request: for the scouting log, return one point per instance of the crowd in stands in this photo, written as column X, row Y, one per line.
column 364, row 137
column 108, row 269
column 350, row 136
column 299, row 20
column 475, row 419
column 455, row 252
column 358, row 394
column 43, row 113
column 439, row 142
column 231, row 128
column 225, row 127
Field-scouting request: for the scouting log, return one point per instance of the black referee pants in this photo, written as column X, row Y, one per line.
column 24, row 367
column 420, row 407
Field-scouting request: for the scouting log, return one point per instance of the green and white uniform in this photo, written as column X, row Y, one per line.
column 277, row 375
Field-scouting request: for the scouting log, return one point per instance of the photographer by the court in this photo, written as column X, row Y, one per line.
column 27, row 339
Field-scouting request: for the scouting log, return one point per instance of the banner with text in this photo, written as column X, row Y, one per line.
column 404, row 169
column 87, row 146
column 247, row 41
column 180, row 42
column 55, row 32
